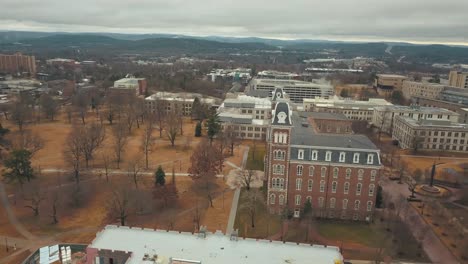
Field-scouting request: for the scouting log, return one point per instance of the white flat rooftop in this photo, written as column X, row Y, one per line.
column 214, row 249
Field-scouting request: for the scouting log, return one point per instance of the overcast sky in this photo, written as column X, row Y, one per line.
column 433, row 21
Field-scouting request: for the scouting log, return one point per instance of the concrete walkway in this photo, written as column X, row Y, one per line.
column 235, row 199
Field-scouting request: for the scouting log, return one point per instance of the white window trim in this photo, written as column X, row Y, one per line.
column 342, row 156
column 370, row 158
column 356, row 158
column 300, row 154
column 328, row 155
column 314, row 155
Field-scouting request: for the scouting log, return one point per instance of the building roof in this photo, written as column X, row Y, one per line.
column 326, row 115
column 212, row 249
column 282, row 114
column 181, row 97
column 415, row 108
column 425, row 123
column 293, row 83
column 392, row 76
column 337, row 102
column 245, row 101
column 306, row 135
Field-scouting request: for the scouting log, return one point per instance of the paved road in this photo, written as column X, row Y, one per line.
column 235, row 199
column 434, row 248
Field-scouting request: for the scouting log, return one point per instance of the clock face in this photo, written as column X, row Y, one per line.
column 278, row 95
column 282, row 117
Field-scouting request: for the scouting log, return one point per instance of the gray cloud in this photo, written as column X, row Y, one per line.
column 410, row 20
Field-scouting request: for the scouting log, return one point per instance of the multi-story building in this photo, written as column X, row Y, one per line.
column 127, row 245
column 458, row 79
column 422, row 89
column 17, row 63
column 387, row 83
column 130, row 85
column 384, row 116
column 337, row 174
column 297, row 90
column 434, row 135
column 180, row 101
column 352, row 109
column 333, row 123
column 239, row 74
column 248, row 116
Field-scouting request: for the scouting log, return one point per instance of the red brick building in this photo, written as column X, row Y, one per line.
column 337, row 173
column 17, row 63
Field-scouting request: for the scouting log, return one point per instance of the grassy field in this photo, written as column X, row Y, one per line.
column 255, row 158
column 266, row 225
column 350, row 232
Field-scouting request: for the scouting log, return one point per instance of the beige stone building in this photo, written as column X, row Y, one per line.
column 433, row 135
column 352, row 109
column 17, row 63
column 421, row 89
column 171, row 101
column 387, row 83
column 458, row 79
column 384, row 117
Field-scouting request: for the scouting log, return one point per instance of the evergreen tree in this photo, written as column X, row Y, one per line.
column 213, row 125
column 379, row 197
column 198, row 111
column 307, row 207
column 18, row 167
column 160, row 177
column 198, row 130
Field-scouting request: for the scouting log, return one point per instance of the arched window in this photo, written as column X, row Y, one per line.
column 281, row 199
column 322, row 186
column 309, row 199
column 358, row 189
column 298, row 184
column 311, row 171
column 332, row 203
column 323, row 172
column 310, row 184
column 371, row 189
column 346, row 188
column 369, row 206
column 281, row 185
column 356, row 204
column 360, row 174
column 300, row 168
column 335, row 172
column 334, row 186
column 320, row 201
column 373, row 174
column 348, row 173
column 272, row 198
column 276, row 138
column 345, row 204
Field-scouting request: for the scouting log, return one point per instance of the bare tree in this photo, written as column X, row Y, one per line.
column 54, row 203
column 172, row 126
column 120, row 203
column 34, row 198
column 253, row 199
column 160, row 115
column 197, row 217
column 106, row 164
column 92, row 139
column 74, row 150
column 383, row 122
column 231, row 137
column 246, row 177
column 147, row 141
column 120, row 141
column 26, row 139
column 80, row 103
column 49, row 106
column 133, row 171
column 20, row 113
column 69, row 112
column 205, row 165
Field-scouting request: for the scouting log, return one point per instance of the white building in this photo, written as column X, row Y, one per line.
column 297, row 90
column 422, row 89
column 277, row 75
column 241, row 73
column 384, row 116
column 130, row 84
column 171, row 101
column 138, row 246
column 248, row 116
column 435, row 135
column 352, row 109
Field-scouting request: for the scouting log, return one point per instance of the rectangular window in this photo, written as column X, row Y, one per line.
column 328, row 156
column 310, row 185
column 300, row 154
column 356, row 158
column 299, row 170
column 314, row 155
column 342, row 156
column 370, row 159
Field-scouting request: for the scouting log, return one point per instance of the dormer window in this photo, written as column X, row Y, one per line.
column 328, row 156
column 370, row 159
column 342, row 156
column 356, row 158
column 314, row 155
column 300, row 154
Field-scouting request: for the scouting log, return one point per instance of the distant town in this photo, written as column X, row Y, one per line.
column 239, row 155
